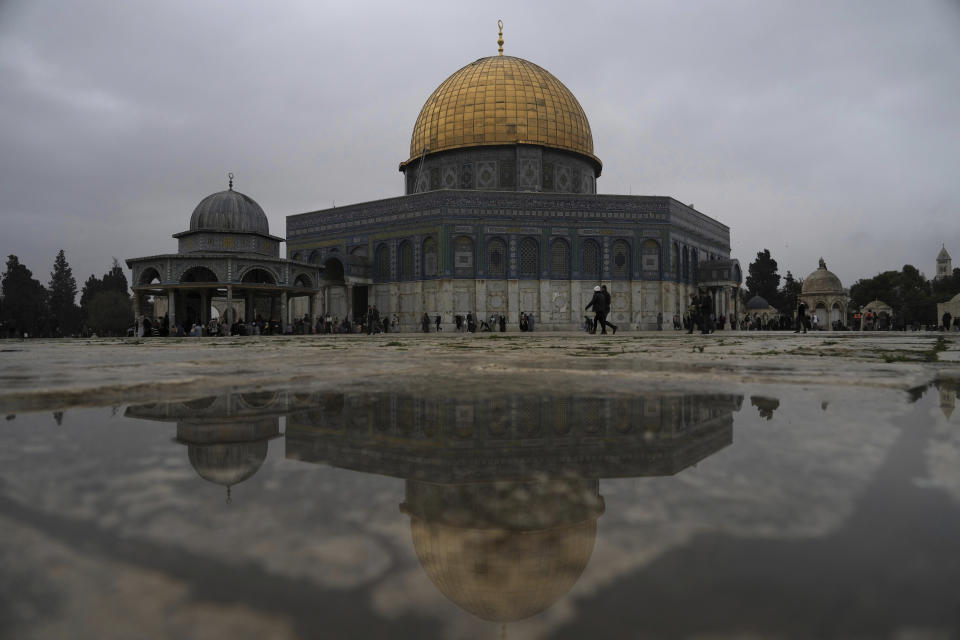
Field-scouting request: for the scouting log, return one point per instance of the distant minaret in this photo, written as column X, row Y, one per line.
column 944, row 268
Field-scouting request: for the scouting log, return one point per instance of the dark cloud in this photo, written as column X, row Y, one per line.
column 809, row 128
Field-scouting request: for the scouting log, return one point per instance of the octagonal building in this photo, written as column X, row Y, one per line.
column 501, row 216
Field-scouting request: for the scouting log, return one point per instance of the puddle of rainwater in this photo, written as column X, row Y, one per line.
column 278, row 513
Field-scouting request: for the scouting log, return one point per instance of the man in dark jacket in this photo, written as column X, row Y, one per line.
column 801, row 317
column 600, row 303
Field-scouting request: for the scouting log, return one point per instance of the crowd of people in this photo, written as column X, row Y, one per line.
column 699, row 316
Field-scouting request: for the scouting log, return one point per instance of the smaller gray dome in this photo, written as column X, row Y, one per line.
column 229, row 211
column 756, row 302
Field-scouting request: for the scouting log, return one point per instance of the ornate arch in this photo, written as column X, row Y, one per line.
column 528, row 258
column 497, row 258
column 405, row 260
column 464, row 263
column 381, row 263
column 147, row 274
column 430, row 267
column 650, row 259
column 620, row 263
column 259, row 274
column 560, row 259
column 199, row 273
column 590, row 259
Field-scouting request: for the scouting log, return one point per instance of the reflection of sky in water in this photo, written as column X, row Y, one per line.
column 107, row 512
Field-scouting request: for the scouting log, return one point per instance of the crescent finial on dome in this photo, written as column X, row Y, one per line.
column 230, row 179
column 500, row 39
column 823, row 265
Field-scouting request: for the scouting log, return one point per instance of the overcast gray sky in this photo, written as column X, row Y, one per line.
column 815, row 128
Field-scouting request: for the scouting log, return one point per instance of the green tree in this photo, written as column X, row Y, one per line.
column 946, row 288
column 24, row 301
column 790, row 291
column 115, row 280
column 62, row 300
column 906, row 291
column 764, row 280
column 109, row 313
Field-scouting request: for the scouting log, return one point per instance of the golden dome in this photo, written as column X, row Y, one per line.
column 501, row 575
column 501, row 100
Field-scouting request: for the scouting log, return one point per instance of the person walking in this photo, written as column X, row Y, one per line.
column 608, row 305
column 801, row 317
column 693, row 312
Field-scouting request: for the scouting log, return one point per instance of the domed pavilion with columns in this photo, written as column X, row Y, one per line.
column 226, row 260
column 825, row 296
column 501, row 216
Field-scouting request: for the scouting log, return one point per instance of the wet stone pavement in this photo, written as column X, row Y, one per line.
column 652, row 485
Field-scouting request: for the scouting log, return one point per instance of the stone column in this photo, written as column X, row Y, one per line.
column 480, row 296
column 543, row 312
column 349, row 312
column 284, row 312
column 513, row 302
column 136, row 305
column 171, row 308
column 314, row 310
column 204, row 308
column 230, row 315
column 248, row 306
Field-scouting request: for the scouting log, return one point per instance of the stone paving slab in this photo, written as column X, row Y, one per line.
column 59, row 374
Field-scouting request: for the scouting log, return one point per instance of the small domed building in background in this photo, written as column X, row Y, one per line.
column 226, row 260
column 757, row 307
column 825, row 297
column 501, row 217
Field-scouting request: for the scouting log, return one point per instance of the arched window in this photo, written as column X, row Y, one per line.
column 560, row 259
column 496, row 258
column 590, row 260
column 650, row 257
column 695, row 265
column 621, row 259
column 383, row 262
column 686, row 264
column 463, row 256
column 529, row 258
column 258, row 276
column 202, row 274
column 675, row 256
column 405, row 260
column 429, row 258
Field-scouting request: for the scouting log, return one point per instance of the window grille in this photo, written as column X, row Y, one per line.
column 383, row 262
column 406, row 260
column 496, row 259
column 560, row 259
column 621, row 259
column 591, row 259
column 429, row 257
column 528, row 258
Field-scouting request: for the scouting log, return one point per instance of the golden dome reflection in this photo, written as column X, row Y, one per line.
column 501, row 100
column 504, row 551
